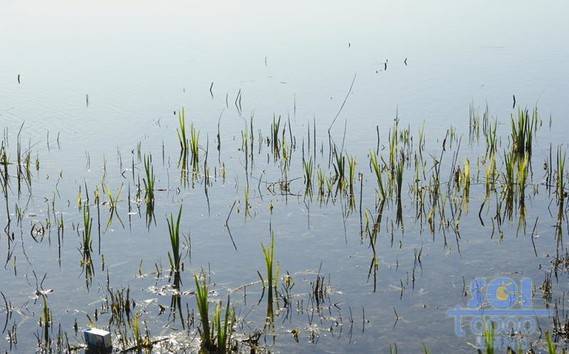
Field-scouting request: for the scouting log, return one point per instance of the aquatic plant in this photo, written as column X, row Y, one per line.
column 393, row 349
column 286, row 152
column 551, row 347
column 174, row 232
column 87, row 245
column 421, row 144
column 321, row 178
column 275, row 145
column 141, row 342
column 136, row 330
column 148, row 180
column 522, row 177
column 4, row 161
column 149, row 187
column 339, row 164
column 203, row 309
column 473, row 123
column 509, row 179
column 352, row 163
column 181, row 131
column 119, row 303
column 489, row 338
column 491, row 139
column 393, row 143
column 490, row 174
column 465, row 178
column 308, row 169
column 87, row 227
column 247, row 202
column 560, row 174
column 45, row 322
column 269, row 256
column 223, row 326
column 438, row 206
column 378, row 173
column 112, row 201
column 399, row 167
column 523, row 127
column 215, row 336
column 245, row 147
column 194, row 146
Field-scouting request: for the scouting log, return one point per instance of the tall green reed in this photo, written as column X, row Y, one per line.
column 174, row 232
column 215, row 335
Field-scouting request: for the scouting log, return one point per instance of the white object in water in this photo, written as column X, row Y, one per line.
column 97, row 338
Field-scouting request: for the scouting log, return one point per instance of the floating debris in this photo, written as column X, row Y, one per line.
column 98, row 339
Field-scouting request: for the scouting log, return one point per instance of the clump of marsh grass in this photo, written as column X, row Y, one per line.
column 321, row 179
column 339, row 164
column 86, row 245
column 112, row 201
column 215, row 335
column 141, row 342
column 194, row 146
column 274, row 140
column 509, row 180
column 352, row 163
column 119, row 302
column 286, row 151
column 308, row 170
column 188, row 145
column 149, row 187
column 491, row 139
column 269, row 256
column 523, row 127
column 398, row 174
column 319, row 290
column 223, row 326
column 174, row 230
column 490, row 174
column 148, row 180
column 181, row 131
column 522, row 177
column 203, row 309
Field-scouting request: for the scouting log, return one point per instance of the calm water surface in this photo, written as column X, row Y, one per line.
column 138, row 62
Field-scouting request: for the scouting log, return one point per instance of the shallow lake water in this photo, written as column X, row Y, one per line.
column 87, row 91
